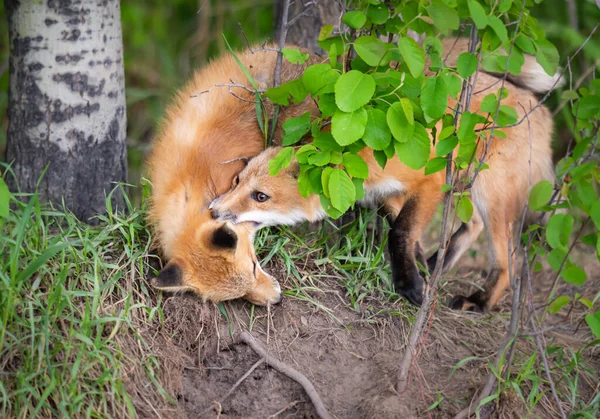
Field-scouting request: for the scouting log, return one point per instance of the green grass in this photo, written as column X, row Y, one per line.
column 69, row 293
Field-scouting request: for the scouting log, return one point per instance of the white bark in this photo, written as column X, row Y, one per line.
column 67, row 100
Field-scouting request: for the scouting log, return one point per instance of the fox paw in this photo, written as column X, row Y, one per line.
column 463, row 303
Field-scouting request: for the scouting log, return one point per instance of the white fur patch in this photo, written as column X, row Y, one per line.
column 375, row 193
column 272, row 218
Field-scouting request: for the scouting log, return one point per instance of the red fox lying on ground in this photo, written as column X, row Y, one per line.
column 411, row 198
column 207, row 125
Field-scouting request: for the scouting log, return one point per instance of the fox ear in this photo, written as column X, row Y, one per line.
column 224, row 238
column 170, row 278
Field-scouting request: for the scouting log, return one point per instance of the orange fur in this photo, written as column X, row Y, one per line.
column 499, row 194
column 205, row 126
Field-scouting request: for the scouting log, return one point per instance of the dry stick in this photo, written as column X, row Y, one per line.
column 238, row 382
column 283, row 409
column 285, row 369
column 428, row 298
column 542, row 348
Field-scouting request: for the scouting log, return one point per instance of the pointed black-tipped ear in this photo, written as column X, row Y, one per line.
column 224, row 238
column 170, row 277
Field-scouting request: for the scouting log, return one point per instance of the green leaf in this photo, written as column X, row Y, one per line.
column 444, row 17
column 434, row 98
column 435, row 165
column 401, row 127
column 304, row 153
column 372, row 50
column 415, row 152
column 325, row 142
column 506, row 116
column 295, row 128
column 595, row 214
column 558, row 304
column 555, row 258
column 489, row 104
column 504, row 6
column 464, row 209
column 294, row 55
column 547, row 56
column 4, row 199
column 574, row 275
column 478, row 14
column 434, row 50
column 525, row 43
column 593, row 321
column 445, row 146
column 320, row 158
column 466, row 129
column 446, row 132
column 377, row 134
column 348, row 128
column 498, row 26
column 558, row 230
column 327, row 105
column 466, row 65
column 413, row 55
column 319, row 79
column 355, row 165
column 329, row 208
column 326, row 30
column 281, row 94
column 569, row 95
column 281, row 160
column 358, row 186
column 353, row 90
column 341, row 190
column 540, row 195
column 378, row 14
column 355, row 19
column 380, row 158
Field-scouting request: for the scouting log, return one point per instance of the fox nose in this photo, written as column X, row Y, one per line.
column 280, row 299
column 214, row 214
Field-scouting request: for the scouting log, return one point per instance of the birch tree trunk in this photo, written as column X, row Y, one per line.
column 66, row 105
column 305, row 31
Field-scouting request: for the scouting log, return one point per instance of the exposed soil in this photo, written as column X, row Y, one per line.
column 350, row 356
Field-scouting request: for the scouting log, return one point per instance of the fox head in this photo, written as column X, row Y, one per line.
column 216, row 260
column 264, row 200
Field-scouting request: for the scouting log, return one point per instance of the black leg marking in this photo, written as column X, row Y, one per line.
column 405, row 273
column 451, row 252
column 478, row 301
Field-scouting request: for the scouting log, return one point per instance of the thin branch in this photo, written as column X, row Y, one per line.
column 242, row 378
column 285, row 369
column 430, row 291
column 230, row 86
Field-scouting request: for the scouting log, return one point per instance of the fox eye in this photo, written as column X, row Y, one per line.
column 236, row 181
column 260, row 197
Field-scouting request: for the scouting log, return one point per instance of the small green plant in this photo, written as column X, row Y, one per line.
column 375, row 94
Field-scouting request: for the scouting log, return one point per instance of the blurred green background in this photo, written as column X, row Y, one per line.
column 166, row 40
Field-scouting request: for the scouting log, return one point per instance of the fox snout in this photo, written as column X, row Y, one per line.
column 223, row 216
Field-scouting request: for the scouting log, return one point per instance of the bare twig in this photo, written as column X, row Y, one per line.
column 285, row 369
column 430, row 290
column 283, row 409
column 230, row 86
column 219, row 403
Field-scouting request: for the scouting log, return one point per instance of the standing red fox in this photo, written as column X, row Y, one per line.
column 209, row 124
column 411, row 198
